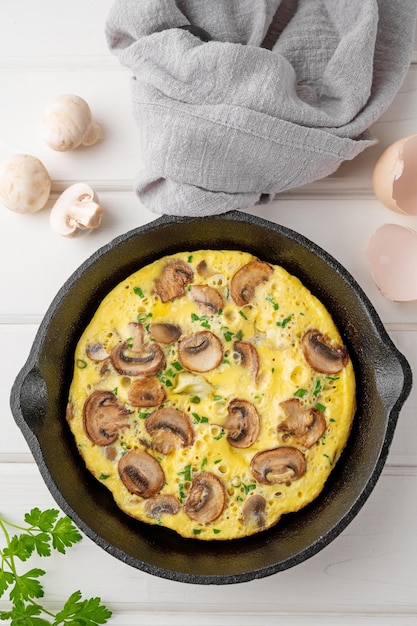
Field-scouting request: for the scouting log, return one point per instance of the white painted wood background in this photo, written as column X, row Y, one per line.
column 367, row 576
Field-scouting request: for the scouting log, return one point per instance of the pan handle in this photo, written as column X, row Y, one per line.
column 29, row 399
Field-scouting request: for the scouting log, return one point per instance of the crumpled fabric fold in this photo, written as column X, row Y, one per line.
column 281, row 95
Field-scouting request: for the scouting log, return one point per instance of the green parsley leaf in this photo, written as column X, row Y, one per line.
column 43, row 530
column 64, row 534
column 84, row 612
column 27, row 586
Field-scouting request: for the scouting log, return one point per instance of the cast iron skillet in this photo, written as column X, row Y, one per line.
column 40, row 392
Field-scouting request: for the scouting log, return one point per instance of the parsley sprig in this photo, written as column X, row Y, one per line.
column 44, row 531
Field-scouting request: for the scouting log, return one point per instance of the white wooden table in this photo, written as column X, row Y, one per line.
column 368, row 575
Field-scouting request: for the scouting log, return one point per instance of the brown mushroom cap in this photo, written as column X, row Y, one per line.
column 147, row 391
column 200, row 352
column 279, row 465
column 306, row 425
column 206, row 499
column 323, row 355
column 171, row 282
column 141, row 473
column 248, row 356
column 149, row 359
column 208, row 300
column 253, row 512
column 162, row 504
column 165, row 333
column 96, row 352
column 204, row 270
column 170, row 428
column 246, row 279
column 103, row 417
column 243, row 424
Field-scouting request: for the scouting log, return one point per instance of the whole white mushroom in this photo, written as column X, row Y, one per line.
column 76, row 209
column 25, row 184
column 67, row 123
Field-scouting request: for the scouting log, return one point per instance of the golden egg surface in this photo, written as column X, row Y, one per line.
column 211, row 394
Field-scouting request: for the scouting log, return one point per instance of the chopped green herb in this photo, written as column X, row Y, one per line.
column 138, row 291
column 332, row 419
column 186, row 472
column 220, row 435
column 190, row 258
column 116, row 391
column 328, row 458
column 203, row 319
column 320, row 407
column 104, row 476
column 270, row 299
column 216, row 531
column 300, row 393
column 196, row 531
column 204, row 463
column 199, row 419
column 248, row 488
column 317, row 388
column 195, row 400
column 177, row 365
column 142, row 317
column 283, row 323
column 241, row 313
column 228, row 335
column 218, row 461
column 143, row 415
column 181, row 492
column 81, row 364
column 216, row 398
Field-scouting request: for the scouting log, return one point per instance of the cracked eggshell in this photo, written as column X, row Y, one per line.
column 25, row 184
column 394, row 177
column 392, row 253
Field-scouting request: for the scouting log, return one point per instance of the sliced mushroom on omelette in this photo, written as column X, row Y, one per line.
column 212, row 394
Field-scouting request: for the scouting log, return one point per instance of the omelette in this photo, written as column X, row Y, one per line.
column 211, row 394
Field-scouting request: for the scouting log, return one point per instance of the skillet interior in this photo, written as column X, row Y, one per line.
column 40, row 392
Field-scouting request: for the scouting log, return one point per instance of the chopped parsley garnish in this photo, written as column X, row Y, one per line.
column 317, row 388
column 203, row 319
column 300, row 393
column 186, row 472
column 248, row 488
column 139, row 292
column 270, row 299
column 283, row 323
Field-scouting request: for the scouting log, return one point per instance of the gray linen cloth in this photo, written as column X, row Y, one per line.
column 282, row 94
